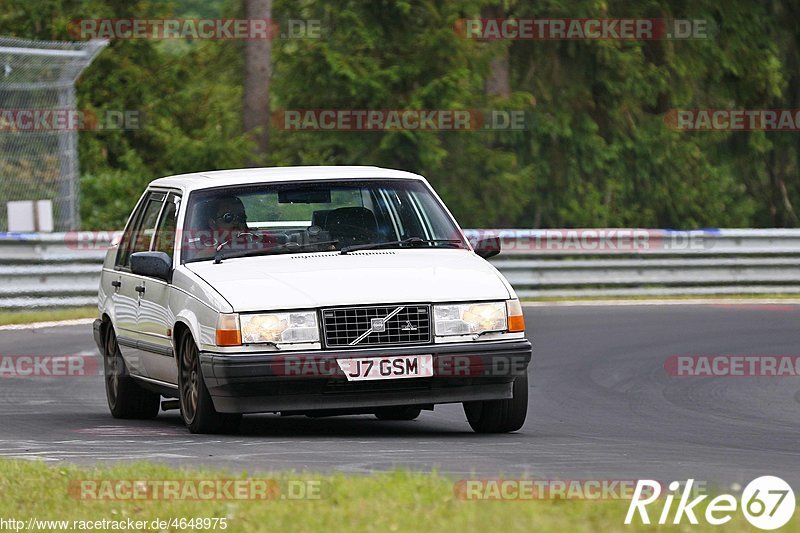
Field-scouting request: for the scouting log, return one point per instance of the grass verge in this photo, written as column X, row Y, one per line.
column 396, row 501
column 46, row 315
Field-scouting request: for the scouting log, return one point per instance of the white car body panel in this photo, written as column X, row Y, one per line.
column 307, row 281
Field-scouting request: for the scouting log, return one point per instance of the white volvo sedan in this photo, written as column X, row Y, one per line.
column 306, row 291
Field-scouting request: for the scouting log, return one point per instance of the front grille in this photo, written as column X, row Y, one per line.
column 409, row 325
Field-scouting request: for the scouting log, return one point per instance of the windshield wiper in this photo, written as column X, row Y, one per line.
column 267, row 251
column 411, row 241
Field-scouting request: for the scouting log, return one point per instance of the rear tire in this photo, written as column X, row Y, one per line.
column 126, row 399
column 405, row 412
column 500, row 416
column 197, row 408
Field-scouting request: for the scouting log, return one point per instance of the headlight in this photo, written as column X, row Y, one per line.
column 280, row 328
column 470, row 319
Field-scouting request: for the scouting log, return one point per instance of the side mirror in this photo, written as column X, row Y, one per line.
column 151, row 264
column 488, row 247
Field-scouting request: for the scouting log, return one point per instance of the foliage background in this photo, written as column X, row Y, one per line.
column 597, row 152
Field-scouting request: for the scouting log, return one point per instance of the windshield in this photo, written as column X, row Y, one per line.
column 311, row 217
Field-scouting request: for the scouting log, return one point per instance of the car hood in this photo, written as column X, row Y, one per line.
column 312, row 280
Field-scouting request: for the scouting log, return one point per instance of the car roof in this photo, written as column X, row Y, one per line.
column 244, row 176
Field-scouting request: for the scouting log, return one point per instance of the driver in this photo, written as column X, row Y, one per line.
column 227, row 215
column 225, row 220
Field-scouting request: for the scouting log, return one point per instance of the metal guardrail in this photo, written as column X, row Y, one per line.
column 62, row 270
column 640, row 262
column 50, row 269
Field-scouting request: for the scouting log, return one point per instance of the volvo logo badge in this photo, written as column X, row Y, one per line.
column 378, row 325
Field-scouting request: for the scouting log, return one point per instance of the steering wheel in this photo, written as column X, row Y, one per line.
column 252, row 237
column 352, row 234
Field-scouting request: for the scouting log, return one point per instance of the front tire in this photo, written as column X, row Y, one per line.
column 500, row 416
column 197, row 408
column 126, row 399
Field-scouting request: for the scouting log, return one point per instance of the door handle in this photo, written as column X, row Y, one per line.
column 139, row 289
column 116, row 284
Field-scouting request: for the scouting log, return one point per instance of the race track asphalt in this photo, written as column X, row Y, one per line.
column 602, row 406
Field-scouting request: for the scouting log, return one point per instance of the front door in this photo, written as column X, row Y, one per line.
column 127, row 296
column 155, row 319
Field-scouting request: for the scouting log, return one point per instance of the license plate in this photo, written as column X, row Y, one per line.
column 396, row 367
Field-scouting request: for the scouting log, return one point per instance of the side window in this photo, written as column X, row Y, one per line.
column 143, row 229
column 125, row 241
column 167, row 225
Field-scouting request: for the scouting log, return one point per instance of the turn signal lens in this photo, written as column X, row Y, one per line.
column 516, row 321
column 228, row 333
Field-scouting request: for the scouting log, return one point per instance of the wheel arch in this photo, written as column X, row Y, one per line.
column 182, row 327
column 179, row 332
column 105, row 324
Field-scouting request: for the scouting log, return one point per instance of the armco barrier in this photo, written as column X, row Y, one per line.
column 62, row 270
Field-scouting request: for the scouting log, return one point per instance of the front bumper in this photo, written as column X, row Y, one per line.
column 312, row 381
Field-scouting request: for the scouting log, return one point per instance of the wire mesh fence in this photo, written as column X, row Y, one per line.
column 39, row 126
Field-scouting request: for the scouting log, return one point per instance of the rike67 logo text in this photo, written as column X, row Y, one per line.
column 767, row 503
